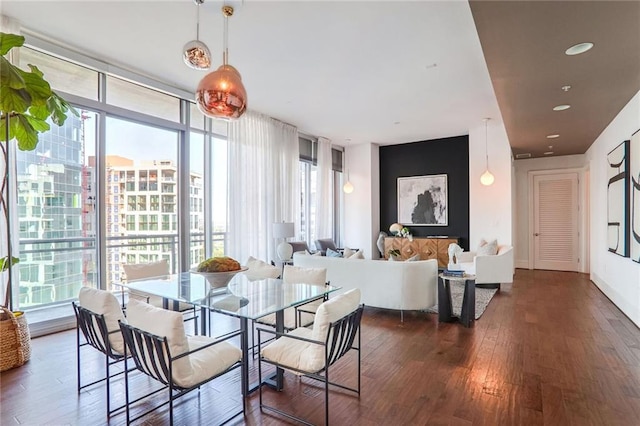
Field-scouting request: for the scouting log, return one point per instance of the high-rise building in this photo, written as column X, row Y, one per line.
column 50, row 206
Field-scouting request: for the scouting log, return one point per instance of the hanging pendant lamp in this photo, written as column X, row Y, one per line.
column 221, row 94
column 195, row 53
column 487, row 178
column 348, row 188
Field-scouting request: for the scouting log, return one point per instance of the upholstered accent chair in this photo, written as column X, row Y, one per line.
column 326, row 243
column 490, row 270
column 98, row 313
column 311, row 352
column 299, row 246
column 158, row 346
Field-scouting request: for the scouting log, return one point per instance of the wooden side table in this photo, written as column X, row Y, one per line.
column 445, row 310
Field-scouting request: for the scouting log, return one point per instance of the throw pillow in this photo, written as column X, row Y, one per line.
column 488, row 248
column 357, row 255
column 347, row 253
column 395, row 259
column 333, row 253
column 413, row 258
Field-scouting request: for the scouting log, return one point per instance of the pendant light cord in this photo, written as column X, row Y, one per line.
column 198, row 22
column 486, row 149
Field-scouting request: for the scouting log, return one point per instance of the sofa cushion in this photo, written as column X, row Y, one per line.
column 487, row 248
column 357, row 255
column 333, row 253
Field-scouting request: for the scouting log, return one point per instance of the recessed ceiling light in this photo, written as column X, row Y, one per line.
column 347, row 140
column 561, row 107
column 552, row 136
column 566, row 88
column 578, row 49
column 548, row 153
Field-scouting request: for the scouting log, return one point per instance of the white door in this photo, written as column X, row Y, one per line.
column 555, row 232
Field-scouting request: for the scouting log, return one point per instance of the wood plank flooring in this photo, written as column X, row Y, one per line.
column 550, row 349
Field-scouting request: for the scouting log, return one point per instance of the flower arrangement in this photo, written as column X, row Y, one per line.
column 404, row 232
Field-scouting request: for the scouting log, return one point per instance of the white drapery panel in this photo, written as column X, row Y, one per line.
column 324, row 191
column 264, row 184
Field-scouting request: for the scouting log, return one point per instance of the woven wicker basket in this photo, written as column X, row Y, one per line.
column 15, row 341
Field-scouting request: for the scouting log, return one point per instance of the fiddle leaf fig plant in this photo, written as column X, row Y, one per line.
column 27, row 105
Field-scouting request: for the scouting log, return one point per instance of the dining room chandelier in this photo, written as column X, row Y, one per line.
column 221, row 94
column 195, row 53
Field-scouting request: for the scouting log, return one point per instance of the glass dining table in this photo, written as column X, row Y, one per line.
column 242, row 298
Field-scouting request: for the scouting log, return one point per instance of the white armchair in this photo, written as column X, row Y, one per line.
column 490, row 271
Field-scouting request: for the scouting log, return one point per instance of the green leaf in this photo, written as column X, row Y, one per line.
column 25, row 134
column 37, row 124
column 9, row 41
column 5, row 264
column 59, row 109
column 37, row 87
column 13, row 122
column 10, row 75
column 14, row 100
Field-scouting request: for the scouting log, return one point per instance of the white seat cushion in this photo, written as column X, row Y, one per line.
column 288, row 352
column 104, row 303
column 297, row 274
column 208, row 362
column 308, row 356
column 162, row 322
column 257, row 270
column 138, row 271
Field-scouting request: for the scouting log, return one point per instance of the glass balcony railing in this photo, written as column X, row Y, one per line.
column 52, row 271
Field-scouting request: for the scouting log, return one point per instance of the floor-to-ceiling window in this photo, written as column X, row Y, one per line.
column 308, row 189
column 107, row 187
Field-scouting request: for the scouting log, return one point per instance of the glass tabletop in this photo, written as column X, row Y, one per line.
column 243, row 298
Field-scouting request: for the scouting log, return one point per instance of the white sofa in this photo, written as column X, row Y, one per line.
column 383, row 284
column 489, row 270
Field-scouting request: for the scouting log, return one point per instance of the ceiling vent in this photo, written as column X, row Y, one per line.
column 521, row 156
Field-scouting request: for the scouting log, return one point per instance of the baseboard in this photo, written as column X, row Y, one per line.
column 614, row 296
column 522, row 264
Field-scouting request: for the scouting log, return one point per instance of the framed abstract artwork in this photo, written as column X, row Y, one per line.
column 634, row 174
column 618, row 200
column 422, row 200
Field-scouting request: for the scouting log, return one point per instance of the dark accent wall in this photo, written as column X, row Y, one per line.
column 448, row 156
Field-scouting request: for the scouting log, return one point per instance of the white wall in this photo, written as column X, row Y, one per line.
column 490, row 210
column 616, row 276
column 362, row 206
column 522, row 207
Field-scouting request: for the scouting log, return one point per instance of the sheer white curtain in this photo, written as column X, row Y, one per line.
column 324, row 191
column 264, row 184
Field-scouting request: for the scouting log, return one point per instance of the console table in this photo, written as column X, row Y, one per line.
column 427, row 247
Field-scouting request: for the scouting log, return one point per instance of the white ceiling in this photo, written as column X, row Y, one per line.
column 354, row 72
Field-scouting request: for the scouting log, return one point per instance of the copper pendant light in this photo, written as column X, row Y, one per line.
column 221, row 94
column 195, row 53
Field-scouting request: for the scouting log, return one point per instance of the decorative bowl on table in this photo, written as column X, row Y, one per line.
column 218, row 271
column 218, row 279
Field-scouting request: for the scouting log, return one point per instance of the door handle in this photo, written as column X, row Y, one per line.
column 536, row 234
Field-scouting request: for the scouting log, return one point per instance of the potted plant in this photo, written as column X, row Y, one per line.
column 27, row 105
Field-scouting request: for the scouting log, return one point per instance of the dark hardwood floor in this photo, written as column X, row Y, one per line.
column 550, row 349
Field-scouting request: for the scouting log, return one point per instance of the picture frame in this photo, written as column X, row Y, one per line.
column 423, row 200
column 634, row 175
column 618, row 200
